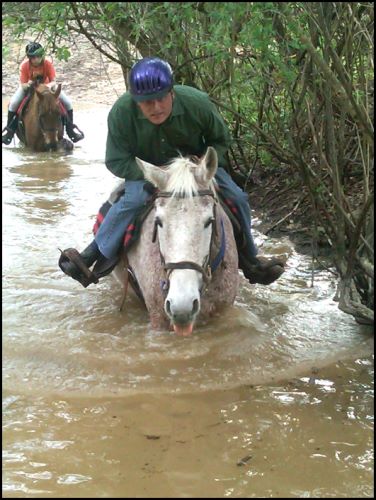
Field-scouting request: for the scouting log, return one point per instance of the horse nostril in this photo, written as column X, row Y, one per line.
column 195, row 306
column 168, row 307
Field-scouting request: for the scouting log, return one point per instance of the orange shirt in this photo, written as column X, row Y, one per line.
column 29, row 72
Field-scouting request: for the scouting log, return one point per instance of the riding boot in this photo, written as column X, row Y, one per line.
column 260, row 269
column 76, row 265
column 71, row 128
column 11, row 127
column 88, row 256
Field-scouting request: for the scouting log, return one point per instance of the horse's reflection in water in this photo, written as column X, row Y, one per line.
column 181, row 238
column 42, row 127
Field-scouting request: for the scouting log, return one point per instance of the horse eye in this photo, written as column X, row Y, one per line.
column 158, row 222
column 209, row 221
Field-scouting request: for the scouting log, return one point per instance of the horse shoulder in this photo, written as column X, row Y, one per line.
column 29, row 117
column 145, row 260
column 224, row 285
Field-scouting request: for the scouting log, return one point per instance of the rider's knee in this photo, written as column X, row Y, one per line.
column 16, row 99
column 134, row 195
column 243, row 198
column 66, row 101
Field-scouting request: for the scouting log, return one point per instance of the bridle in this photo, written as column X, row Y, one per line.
column 45, row 130
column 204, row 269
column 40, row 115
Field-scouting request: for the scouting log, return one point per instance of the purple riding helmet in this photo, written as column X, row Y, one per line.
column 150, row 78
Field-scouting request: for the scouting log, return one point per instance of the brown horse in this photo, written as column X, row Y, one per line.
column 41, row 127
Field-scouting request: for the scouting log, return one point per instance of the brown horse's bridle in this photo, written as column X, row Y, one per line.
column 45, row 130
column 205, row 269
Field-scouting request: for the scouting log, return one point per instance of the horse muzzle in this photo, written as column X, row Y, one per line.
column 182, row 304
column 183, row 330
column 182, row 316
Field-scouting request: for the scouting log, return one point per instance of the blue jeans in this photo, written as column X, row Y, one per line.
column 111, row 232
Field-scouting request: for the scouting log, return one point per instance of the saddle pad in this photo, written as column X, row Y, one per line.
column 25, row 101
column 21, row 108
column 132, row 232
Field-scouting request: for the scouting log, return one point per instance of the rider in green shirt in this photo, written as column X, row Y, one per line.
column 156, row 121
column 193, row 124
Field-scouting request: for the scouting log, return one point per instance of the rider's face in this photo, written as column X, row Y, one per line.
column 35, row 60
column 157, row 110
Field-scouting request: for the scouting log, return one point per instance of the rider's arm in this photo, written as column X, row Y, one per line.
column 24, row 73
column 25, row 79
column 216, row 132
column 49, row 72
column 201, row 122
column 119, row 158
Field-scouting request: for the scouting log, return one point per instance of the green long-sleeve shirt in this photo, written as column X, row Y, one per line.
column 194, row 124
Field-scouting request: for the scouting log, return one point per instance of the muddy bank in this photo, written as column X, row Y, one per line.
column 284, row 207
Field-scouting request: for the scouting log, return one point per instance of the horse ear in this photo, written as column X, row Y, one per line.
column 58, row 90
column 153, row 174
column 210, row 160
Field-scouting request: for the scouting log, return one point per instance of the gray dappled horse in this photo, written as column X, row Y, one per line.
column 181, row 238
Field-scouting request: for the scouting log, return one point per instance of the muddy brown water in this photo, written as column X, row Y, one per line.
column 273, row 398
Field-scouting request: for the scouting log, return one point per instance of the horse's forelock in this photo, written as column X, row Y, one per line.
column 182, row 179
column 48, row 101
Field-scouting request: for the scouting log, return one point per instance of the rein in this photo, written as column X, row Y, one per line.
column 43, row 129
column 55, row 129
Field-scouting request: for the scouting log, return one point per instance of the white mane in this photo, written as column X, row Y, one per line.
column 186, row 178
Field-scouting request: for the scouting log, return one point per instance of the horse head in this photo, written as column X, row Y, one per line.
column 49, row 115
column 184, row 221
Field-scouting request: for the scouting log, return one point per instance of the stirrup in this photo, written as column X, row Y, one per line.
column 8, row 139
column 74, row 136
column 80, row 272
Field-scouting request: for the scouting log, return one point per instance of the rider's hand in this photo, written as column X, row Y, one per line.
column 26, row 86
column 149, row 187
column 52, row 86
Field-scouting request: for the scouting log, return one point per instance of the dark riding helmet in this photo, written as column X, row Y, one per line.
column 34, row 49
column 150, row 78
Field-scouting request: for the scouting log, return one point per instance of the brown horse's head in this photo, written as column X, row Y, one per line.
column 49, row 116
